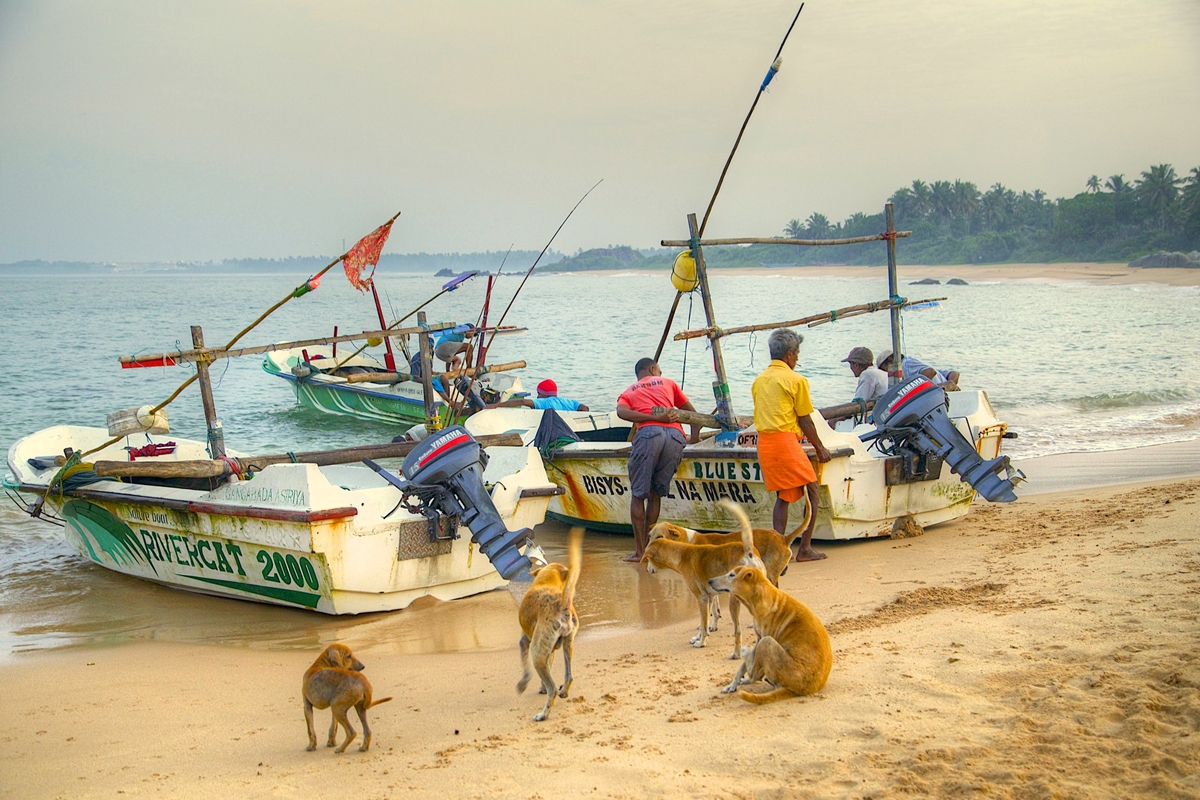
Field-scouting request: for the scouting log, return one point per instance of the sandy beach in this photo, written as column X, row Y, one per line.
column 1092, row 273
column 1048, row 648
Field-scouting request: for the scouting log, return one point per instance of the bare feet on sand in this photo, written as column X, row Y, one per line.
column 809, row 555
column 633, row 558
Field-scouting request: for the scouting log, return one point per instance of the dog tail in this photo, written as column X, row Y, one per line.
column 762, row 698
column 809, row 511
column 377, row 702
column 750, row 554
column 574, row 565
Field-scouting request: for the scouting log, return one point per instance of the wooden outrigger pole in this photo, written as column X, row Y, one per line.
column 811, row 321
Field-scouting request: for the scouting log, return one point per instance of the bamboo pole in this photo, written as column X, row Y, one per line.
column 431, row 420
column 829, row 414
column 396, row 377
column 875, row 237
column 216, row 436
column 896, row 373
column 197, row 354
column 205, row 468
column 721, row 384
column 811, row 321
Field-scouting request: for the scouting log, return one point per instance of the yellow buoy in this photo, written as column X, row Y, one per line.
column 683, row 272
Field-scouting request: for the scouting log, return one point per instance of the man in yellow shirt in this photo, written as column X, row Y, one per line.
column 782, row 406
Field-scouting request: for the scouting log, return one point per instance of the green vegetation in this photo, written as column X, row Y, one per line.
column 956, row 223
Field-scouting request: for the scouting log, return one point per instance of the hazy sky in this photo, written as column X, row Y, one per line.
column 153, row 130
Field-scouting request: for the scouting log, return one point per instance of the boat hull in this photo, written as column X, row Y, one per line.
column 297, row 535
column 860, row 495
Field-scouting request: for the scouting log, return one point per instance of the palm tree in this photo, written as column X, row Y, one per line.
column 941, row 195
column 922, row 202
column 902, row 199
column 1093, row 184
column 966, row 198
column 1117, row 185
column 1191, row 192
column 818, row 225
column 794, row 230
column 1158, row 192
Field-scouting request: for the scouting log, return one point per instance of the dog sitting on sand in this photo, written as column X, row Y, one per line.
column 549, row 622
column 793, row 652
column 335, row 681
column 697, row 563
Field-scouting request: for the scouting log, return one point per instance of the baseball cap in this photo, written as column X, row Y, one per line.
column 859, row 355
column 547, row 387
column 884, row 356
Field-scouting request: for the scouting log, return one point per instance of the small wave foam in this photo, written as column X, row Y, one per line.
column 1098, row 402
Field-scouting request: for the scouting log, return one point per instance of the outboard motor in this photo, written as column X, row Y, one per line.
column 444, row 475
column 912, row 417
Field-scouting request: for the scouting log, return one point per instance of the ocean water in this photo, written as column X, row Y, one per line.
column 1072, row 367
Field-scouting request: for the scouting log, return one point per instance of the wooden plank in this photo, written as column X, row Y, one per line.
column 216, row 437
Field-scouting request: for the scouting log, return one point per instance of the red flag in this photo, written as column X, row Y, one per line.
column 366, row 252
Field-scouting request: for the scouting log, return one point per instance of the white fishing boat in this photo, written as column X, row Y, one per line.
column 863, row 491
column 329, row 538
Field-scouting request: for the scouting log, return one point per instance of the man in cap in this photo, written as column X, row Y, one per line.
column 947, row 379
column 782, row 415
column 872, row 381
column 547, row 397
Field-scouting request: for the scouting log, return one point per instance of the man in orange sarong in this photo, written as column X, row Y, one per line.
column 782, row 405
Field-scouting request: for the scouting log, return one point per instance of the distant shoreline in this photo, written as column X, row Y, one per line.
column 1088, row 272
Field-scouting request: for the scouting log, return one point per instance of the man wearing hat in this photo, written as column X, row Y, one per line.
column 872, row 381
column 547, row 397
column 947, row 379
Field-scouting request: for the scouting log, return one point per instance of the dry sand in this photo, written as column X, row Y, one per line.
column 1044, row 649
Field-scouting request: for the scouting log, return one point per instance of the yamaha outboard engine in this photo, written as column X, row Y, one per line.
column 444, row 475
column 912, row 417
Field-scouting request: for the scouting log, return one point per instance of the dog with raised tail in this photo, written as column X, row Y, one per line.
column 549, row 622
column 793, row 652
column 335, row 681
column 697, row 563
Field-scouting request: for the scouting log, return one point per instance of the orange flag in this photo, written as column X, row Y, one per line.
column 366, row 253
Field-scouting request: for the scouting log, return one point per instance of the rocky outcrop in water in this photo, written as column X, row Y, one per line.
column 957, row 282
column 1164, row 260
column 926, row 282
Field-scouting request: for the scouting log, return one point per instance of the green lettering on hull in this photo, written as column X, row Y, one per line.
column 306, row 599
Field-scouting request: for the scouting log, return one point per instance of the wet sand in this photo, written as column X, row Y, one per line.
column 1047, row 648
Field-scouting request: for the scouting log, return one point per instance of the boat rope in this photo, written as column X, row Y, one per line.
column 683, row 377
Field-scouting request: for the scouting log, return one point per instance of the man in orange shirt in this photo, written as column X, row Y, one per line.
column 782, row 405
column 657, row 445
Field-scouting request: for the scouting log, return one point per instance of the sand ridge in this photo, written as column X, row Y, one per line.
column 1048, row 648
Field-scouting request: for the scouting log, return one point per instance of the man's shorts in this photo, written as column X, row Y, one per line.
column 446, row 351
column 657, row 451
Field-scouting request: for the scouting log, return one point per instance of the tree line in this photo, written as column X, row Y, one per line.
column 955, row 223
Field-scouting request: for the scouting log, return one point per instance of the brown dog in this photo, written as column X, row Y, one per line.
column 793, row 651
column 335, row 681
column 549, row 622
column 699, row 562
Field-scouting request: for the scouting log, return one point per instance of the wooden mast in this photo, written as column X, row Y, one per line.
column 216, row 436
column 721, row 384
column 432, row 421
column 896, row 373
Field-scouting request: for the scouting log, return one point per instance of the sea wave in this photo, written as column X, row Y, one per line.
column 1130, row 399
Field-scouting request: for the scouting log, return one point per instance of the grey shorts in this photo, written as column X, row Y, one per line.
column 656, row 454
column 446, row 351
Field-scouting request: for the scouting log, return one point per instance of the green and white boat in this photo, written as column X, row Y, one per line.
column 396, row 402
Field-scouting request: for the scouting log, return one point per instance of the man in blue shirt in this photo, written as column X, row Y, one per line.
column 547, row 397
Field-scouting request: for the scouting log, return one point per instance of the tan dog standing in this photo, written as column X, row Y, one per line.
column 773, row 547
column 793, row 652
column 549, row 622
column 697, row 563
column 335, row 681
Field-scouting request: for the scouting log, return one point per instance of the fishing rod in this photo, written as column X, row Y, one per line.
column 462, row 401
column 775, row 65
column 481, row 320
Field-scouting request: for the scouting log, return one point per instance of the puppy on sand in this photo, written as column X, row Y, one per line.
column 793, row 652
column 699, row 562
column 335, row 681
column 549, row 622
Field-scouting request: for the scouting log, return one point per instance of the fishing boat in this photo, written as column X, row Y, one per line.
column 364, row 385
column 317, row 536
column 863, row 491
column 331, row 531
